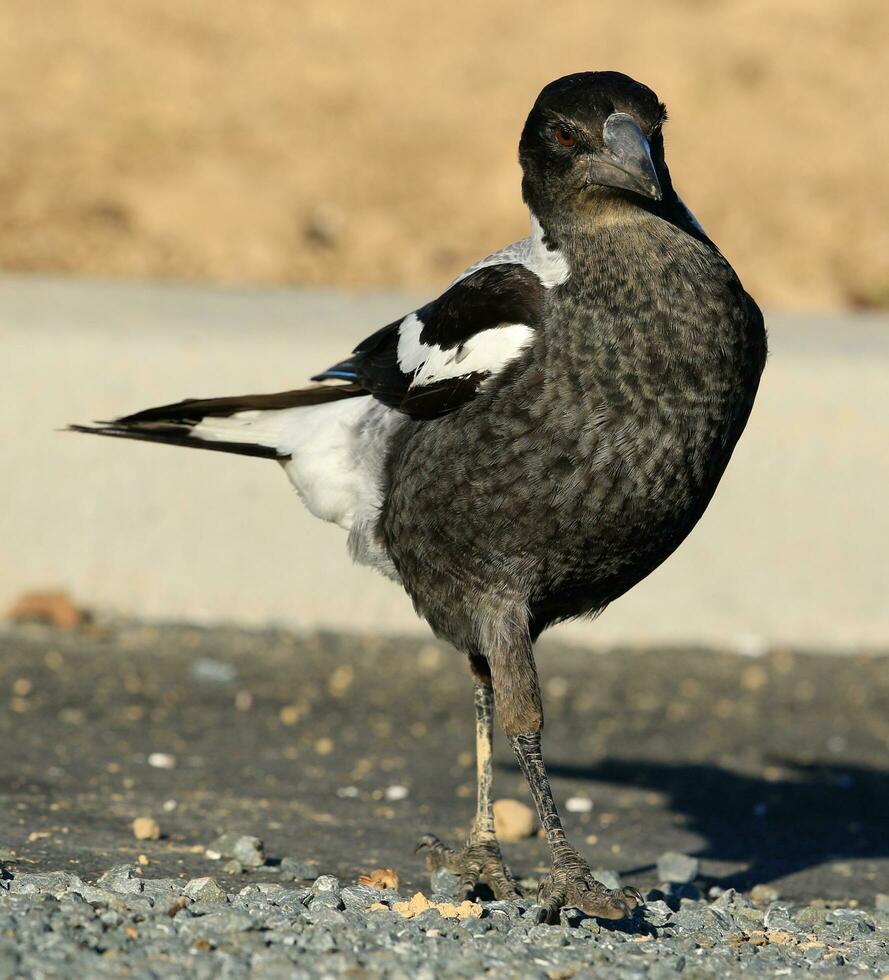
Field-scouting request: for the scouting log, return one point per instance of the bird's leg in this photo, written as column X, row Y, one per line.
column 570, row 882
column 520, row 710
column 479, row 860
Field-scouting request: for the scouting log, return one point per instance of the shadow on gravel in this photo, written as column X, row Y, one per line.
column 813, row 815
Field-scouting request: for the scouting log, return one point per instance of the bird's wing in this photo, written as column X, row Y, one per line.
column 440, row 356
column 424, row 366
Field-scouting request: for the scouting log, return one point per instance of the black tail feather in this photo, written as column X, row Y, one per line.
column 173, row 424
column 192, row 410
column 175, row 436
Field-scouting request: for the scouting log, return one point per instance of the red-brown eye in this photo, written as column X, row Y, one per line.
column 565, row 136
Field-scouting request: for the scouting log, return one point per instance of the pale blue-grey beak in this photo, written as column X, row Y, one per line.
column 626, row 161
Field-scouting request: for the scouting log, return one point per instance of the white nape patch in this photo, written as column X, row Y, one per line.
column 548, row 264
column 691, row 217
column 488, row 352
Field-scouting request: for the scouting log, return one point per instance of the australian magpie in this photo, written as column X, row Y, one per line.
column 529, row 445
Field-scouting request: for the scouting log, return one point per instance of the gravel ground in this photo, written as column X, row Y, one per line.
column 54, row 925
column 687, row 773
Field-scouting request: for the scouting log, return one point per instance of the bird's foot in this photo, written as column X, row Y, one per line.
column 571, row 883
column 478, row 861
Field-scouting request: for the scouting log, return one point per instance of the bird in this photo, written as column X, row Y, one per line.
column 534, row 441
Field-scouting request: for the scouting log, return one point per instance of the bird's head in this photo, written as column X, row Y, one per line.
column 591, row 137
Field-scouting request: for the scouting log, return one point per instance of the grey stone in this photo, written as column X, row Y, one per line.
column 779, row 916
column 233, row 867
column 218, row 923
column 162, row 888
column 850, row 922
column 445, row 882
column 102, row 896
column 610, row 879
column 242, row 847
column 121, row 879
column 658, row 913
column 881, row 902
column 325, row 883
column 509, row 910
column 320, row 941
column 139, row 903
column 297, row 870
column 730, row 899
column 543, row 935
column 54, row 883
column 476, row 927
column 204, row 890
column 361, row 896
column 677, row 868
column 748, row 917
column 763, row 894
column 810, row 918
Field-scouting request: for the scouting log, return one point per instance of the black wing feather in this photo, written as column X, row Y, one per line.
column 497, row 295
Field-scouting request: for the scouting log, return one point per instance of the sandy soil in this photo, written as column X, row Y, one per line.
column 337, row 142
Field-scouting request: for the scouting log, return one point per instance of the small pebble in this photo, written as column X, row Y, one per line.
column 146, row 828
column 395, row 793
column 244, row 848
column 677, row 868
column 610, row 879
column 162, row 760
column 513, row 820
column 213, row 671
column 204, row 890
column 578, row 804
column 444, row 882
column 763, row 894
column 325, row 883
column 296, row 870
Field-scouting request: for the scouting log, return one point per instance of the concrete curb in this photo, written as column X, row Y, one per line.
column 793, row 549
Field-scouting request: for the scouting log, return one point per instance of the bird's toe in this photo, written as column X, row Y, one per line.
column 572, row 884
column 478, row 862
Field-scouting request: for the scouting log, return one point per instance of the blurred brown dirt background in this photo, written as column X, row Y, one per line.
column 359, row 144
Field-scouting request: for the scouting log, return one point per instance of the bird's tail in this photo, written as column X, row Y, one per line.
column 251, row 425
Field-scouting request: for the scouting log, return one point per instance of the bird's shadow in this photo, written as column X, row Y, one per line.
column 812, row 814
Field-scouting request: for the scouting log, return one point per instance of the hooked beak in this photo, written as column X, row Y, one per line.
column 626, row 161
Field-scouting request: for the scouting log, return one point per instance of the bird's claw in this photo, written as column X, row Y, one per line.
column 571, row 883
column 479, row 861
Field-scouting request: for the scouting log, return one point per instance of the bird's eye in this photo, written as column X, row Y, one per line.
column 565, row 136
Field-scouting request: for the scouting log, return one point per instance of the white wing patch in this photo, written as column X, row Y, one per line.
column 487, row 352
column 412, row 352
